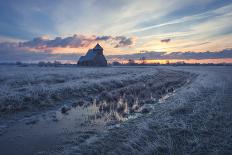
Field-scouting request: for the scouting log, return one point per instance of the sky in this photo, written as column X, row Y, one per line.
column 64, row 29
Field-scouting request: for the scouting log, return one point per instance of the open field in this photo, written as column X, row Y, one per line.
column 30, row 87
column 115, row 110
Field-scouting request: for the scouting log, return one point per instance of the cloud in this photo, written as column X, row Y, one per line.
column 76, row 41
column 41, row 48
column 119, row 41
column 105, row 38
column 123, row 41
column 183, row 21
column 72, row 42
column 165, row 40
column 226, row 53
column 12, row 52
column 210, row 14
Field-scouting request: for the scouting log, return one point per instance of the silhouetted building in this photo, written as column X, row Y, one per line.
column 94, row 57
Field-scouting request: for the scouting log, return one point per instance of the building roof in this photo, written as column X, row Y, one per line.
column 89, row 56
column 98, row 47
column 94, row 57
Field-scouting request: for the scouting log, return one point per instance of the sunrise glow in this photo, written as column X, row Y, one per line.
column 123, row 28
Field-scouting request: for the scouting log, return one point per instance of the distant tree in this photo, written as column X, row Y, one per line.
column 143, row 59
column 19, row 63
column 41, row 64
column 131, row 62
column 57, row 63
column 48, row 63
column 116, row 63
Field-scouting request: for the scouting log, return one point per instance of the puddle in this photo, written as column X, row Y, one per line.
column 49, row 130
column 46, row 131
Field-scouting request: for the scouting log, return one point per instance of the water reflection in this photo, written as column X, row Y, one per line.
column 77, row 125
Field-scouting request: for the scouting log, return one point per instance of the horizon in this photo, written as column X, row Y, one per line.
column 190, row 31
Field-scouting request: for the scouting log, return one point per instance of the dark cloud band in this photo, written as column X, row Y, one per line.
column 165, row 40
column 76, row 41
column 11, row 52
column 227, row 53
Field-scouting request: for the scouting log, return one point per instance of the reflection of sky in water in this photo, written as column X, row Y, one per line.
column 51, row 129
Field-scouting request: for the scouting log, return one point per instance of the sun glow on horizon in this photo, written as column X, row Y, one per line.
column 176, row 61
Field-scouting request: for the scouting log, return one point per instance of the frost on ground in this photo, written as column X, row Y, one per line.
column 196, row 120
column 22, row 88
column 30, row 87
column 70, row 105
column 158, row 110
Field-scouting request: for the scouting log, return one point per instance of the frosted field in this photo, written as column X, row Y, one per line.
column 30, row 87
column 115, row 110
